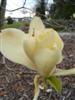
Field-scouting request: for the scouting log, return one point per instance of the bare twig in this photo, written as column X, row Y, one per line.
column 24, row 3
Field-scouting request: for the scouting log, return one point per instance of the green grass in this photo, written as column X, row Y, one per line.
column 14, row 25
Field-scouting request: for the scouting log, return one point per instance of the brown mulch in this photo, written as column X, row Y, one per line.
column 16, row 81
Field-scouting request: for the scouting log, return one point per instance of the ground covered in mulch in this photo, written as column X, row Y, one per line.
column 16, row 81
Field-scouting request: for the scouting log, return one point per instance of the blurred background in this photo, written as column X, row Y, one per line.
column 58, row 14
column 16, row 81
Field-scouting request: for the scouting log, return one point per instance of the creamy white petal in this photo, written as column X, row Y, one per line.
column 45, row 40
column 64, row 72
column 36, row 26
column 50, row 39
column 12, row 47
column 57, row 41
column 30, row 46
column 46, row 60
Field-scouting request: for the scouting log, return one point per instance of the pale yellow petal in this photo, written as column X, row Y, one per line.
column 45, row 40
column 49, row 39
column 30, row 46
column 12, row 47
column 64, row 72
column 57, row 41
column 61, row 59
column 36, row 26
column 46, row 60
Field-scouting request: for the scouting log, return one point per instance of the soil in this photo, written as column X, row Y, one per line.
column 16, row 81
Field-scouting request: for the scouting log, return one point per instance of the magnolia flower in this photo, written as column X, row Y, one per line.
column 40, row 50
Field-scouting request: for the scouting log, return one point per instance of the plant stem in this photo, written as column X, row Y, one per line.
column 37, row 90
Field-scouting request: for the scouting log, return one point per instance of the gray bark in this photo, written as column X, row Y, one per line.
column 2, row 12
